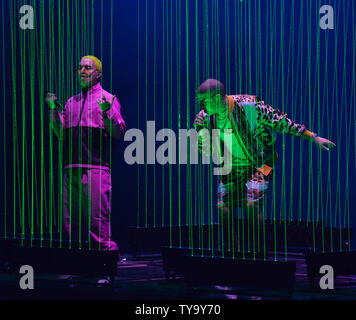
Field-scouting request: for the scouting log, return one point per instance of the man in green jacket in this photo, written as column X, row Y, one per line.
column 253, row 154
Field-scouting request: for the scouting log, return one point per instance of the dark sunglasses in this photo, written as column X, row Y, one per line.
column 86, row 67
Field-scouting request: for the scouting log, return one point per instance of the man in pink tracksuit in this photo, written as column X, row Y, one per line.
column 88, row 125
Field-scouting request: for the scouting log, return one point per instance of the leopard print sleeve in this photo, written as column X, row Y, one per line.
column 278, row 120
column 243, row 98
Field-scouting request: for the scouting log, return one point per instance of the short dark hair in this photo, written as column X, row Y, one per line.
column 211, row 85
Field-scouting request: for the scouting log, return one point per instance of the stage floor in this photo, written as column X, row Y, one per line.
column 143, row 278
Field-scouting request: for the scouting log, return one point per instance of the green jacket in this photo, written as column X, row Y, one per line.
column 253, row 123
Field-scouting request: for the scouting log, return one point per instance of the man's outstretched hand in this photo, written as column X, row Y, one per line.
column 104, row 104
column 324, row 143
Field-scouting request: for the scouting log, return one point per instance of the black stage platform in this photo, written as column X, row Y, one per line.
column 144, row 278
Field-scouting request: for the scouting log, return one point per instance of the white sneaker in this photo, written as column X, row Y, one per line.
column 104, row 282
column 66, row 277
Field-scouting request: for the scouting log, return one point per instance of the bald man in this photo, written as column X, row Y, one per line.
column 89, row 123
column 253, row 154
